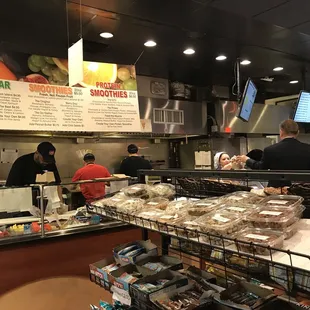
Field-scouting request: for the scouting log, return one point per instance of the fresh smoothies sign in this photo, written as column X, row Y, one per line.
column 34, row 96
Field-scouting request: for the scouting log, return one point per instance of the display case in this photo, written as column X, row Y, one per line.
column 260, row 255
column 50, row 210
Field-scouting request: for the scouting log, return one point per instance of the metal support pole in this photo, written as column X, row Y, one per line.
column 165, row 242
column 238, row 78
column 145, row 234
column 42, row 209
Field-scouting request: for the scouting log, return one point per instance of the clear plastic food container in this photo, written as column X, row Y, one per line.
column 109, row 202
column 256, row 238
column 202, row 207
column 290, row 231
column 175, row 207
column 220, row 223
column 131, row 205
column 276, row 218
column 150, row 214
column 136, row 190
column 244, row 209
column 162, row 190
column 167, row 223
column 288, row 201
column 107, row 206
column 241, row 197
column 187, row 227
column 157, row 202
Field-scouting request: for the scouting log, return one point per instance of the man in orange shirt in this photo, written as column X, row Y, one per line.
column 91, row 171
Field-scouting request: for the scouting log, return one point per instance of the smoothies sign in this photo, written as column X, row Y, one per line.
column 34, row 96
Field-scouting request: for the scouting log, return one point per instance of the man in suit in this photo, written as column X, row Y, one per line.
column 288, row 154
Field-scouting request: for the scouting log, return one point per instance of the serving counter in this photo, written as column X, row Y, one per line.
column 63, row 245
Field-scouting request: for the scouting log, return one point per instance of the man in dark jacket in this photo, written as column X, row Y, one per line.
column 288, row 154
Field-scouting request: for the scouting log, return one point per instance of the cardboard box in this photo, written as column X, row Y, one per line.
column 171, row 261
column 200, row 276
column 226, row 297
column 176, row 280
column 47, row 177
column 100, row 276
column 150, row 250
column 170, row 291
column 120, row 283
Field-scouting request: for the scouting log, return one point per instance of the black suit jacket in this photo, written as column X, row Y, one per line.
column 288, row 154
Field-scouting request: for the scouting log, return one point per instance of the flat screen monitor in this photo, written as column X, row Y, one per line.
column 247, row 101
column 302, row 111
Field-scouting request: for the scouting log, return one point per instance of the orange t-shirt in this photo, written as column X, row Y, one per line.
column 89, row 172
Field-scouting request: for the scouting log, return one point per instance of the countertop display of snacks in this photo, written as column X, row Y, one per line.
column 208, row 220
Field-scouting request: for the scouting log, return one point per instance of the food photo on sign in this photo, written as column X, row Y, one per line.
column 54, row 71
column 37, row 95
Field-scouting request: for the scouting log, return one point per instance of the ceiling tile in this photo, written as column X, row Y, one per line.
column 303, row 28
column 247, row 8
column 287, row 15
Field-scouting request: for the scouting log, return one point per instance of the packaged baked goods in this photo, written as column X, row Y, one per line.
column 162, row 190
column 167, row 223
column 177, row 206
column 149, row 214
column 157, row 202
column 202, row 207
column 130, row 206
column 244, row 209
column 219, row 223
column 137, row 191
column 258, row 241
column 287, row 201
column 291, row 230
column 241, row 197
column 276, row 218
column 109, row 202
column 187, row 227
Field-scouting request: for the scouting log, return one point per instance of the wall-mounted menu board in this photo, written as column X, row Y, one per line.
column 34, row 96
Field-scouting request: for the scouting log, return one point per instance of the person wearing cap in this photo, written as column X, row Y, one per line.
column 25, row 169
column 90, row 171
column 131, row 164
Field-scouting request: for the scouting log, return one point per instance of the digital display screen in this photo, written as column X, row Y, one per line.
column 302, row 112
column 247, row 101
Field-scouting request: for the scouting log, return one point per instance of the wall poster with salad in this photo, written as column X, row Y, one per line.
column 34, row 95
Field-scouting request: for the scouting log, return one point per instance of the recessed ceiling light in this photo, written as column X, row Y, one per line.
column 189, row 51
column 293, row 82
column 245, row 62
column 106, row 35
column 221, row 57
column 150, row 43
column 278, row 69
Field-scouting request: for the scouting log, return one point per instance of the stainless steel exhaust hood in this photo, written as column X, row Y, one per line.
column 265, row 119
column 174, row 117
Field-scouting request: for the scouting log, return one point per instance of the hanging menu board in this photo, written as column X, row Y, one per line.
column 38, row 98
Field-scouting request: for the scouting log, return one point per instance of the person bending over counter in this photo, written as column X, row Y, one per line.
column 131, row 164
column 288, row 154
column 25, row 169
column 91, row 171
